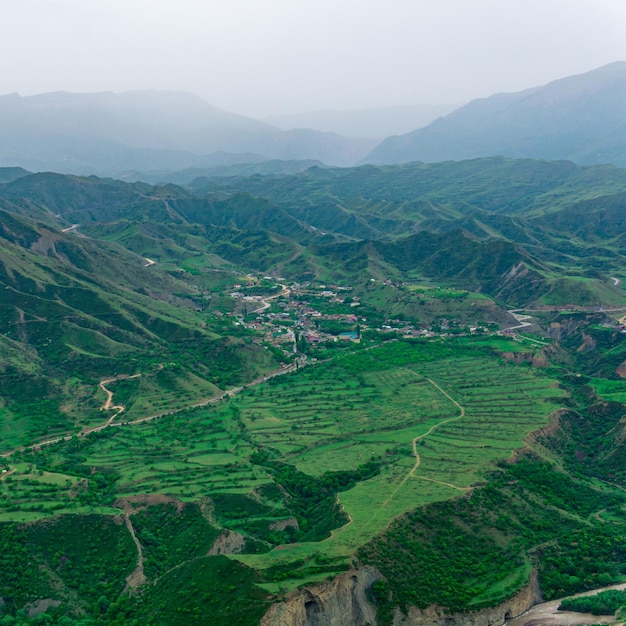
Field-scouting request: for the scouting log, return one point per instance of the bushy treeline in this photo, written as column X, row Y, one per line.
column 170, row 536
column 603, row 603
column 80, row 561
column 313, row 500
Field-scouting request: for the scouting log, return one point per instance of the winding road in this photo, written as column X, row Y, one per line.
column 522, row 319
column 284, row 291
column 109, row 405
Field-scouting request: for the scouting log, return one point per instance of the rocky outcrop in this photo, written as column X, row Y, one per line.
column 588, row 344
column 282, row 524
column 536, row 359
column 343, row 602
column 339, row 602
column 40, row 606
column 134, row 504
column 228, row 542
column 565, row 328
column 493, row 616
column 537, row 436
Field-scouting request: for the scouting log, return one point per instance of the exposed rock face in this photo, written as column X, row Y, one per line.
column 494, row 616
column 134, row 504
column 587, row 345
column 621, row 370
column 543, row 433
column 536, row 359
column 292, row 522
column 40, row 606
column 228, row 542
column 343, row 602
column 339, row 602
column 564, row 328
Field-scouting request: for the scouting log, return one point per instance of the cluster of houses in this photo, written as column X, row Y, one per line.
column 288, row 317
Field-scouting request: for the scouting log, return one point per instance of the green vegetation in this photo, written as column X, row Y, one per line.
column 604, row 603
column 301, row 461
column 82, row 561
column 373, row 405
column 187, row 437
column 211, row 590
column 493, row 532
column 611, row 390
column 169, row 536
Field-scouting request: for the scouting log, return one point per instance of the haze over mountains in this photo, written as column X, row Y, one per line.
column 580, row 118
column 378, row 123
column 145, row 134
column 265, row 380
column 107, row 134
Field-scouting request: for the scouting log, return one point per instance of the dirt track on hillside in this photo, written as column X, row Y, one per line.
column 428, row 432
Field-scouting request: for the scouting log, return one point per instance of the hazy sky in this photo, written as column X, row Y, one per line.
column 259, row 57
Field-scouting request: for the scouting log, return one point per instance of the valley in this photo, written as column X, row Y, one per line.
column 219, row 398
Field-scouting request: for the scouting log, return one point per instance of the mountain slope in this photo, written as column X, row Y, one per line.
column 511, row 229
column 580, row 118
column 75, row 310
column 108, row 134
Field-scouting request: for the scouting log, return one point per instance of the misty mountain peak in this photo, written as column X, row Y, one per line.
column 579, row 117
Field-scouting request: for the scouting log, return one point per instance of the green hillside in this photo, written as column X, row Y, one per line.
column 75, row 311
column 297, row 476
column 212, row 397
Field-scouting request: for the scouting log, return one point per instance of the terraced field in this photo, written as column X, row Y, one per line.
column 430, row 417
column 438, row 423
column 186, row 455
column 168, row 387
column 320, row 420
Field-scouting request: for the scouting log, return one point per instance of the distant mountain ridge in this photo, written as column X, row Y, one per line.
column 254, row 165
column 581, row 118
column 109, row 134
column 376, row 122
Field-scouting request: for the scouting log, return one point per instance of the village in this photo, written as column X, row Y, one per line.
column 300, row 317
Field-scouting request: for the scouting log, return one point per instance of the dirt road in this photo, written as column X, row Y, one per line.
column 428, row 432
column 111, row 423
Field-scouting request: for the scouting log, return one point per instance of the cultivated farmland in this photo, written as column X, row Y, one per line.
column 311, row 465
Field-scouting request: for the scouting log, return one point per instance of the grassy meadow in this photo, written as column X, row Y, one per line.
column 611, row 390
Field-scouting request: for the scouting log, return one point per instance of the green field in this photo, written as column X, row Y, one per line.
column 466, row 413
column 155, row 469
column 612, row 390
column 388, row 430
